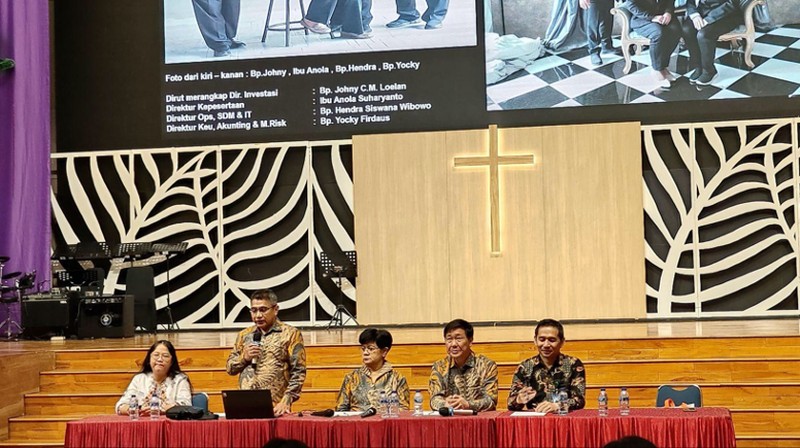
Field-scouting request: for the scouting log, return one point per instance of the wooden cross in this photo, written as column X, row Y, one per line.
column 493, row 161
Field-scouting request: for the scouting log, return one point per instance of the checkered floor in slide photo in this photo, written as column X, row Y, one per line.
column 570, row 79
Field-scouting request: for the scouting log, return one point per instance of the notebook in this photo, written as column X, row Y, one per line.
column 241, row 404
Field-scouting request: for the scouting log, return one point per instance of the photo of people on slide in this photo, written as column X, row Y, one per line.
column 565, row 53
column 212, row 30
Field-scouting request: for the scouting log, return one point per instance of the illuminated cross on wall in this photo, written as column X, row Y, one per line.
column 493, row 161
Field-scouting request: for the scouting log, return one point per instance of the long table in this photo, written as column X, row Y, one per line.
column 707, row 427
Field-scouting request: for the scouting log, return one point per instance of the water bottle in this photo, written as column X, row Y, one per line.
column 384, row 405
column 394, row 405
column 563, row 402
column 624, row 402
column 418, row 403
column 155, row 407
column 133, row 407
column 602, row 403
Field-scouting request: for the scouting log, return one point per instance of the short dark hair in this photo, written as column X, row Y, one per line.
column 381, row 338
column 278, row 442
column 265, row 294
column 630, row 442
column 550, row 323
column 459, row 323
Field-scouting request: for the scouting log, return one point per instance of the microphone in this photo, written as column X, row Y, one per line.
column 325, row 413
column 256, row 340
column 446, row 411
column 369, row 413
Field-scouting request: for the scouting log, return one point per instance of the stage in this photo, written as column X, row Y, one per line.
column 751, row 367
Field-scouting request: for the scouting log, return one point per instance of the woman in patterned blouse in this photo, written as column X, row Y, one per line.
column 361, row 388
column 160, row 374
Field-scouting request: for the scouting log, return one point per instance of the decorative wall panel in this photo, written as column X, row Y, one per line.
column 721, row 218
column 255, row 216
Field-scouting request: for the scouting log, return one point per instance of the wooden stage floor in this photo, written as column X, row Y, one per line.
column 433, row 335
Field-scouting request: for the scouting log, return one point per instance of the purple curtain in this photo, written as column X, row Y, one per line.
column 25, row 140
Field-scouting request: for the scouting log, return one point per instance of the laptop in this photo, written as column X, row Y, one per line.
column 241, row 404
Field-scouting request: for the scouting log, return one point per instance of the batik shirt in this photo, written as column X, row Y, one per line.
column 281, row 366
column 566, row 373
column 476, row 381
column 359, row 392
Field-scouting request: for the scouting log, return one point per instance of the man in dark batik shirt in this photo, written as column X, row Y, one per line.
column 537, row 379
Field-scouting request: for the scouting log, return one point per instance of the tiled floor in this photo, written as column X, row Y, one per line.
column 183, row 42
column 569, row 79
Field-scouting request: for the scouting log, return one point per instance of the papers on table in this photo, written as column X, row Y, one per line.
column 528, row 414
column 346, row 414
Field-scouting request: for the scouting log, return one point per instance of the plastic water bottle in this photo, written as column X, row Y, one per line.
column 384, row 405
column 563, row 402
column 418, row 403
column 602, row 403
column 133, row 407
column 155, row 407
column 394, row 405
column 624, row 402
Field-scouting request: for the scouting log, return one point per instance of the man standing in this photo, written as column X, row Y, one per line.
column 463, row 379
column 270, row 354
column 539, row 378
column 599, row 23
column 409, row 16
column 218, row 21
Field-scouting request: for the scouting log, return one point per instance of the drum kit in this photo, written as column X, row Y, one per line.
column 10, row 295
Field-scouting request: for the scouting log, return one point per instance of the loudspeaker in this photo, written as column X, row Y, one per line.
column 45, row 316
column 105, row 317
column 141, row 286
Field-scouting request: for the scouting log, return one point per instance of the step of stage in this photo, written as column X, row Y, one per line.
column 662, row 371
column 768, row 439
column 634, row 349
column 730, row 395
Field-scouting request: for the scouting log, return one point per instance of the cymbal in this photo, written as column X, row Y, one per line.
column 4, row 259
column 11, row 275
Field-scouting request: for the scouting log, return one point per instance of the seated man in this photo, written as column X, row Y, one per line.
column 463, row 379
column 540, row 377
column 706, row 21
column 653, row 19
column 361, row 388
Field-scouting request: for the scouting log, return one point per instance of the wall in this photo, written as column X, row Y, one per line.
column 571, row 233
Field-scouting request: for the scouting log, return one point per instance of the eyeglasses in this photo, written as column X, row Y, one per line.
column 368, row 348
column 262, row 310
column 164, row 356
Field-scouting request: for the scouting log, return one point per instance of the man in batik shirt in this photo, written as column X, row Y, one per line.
column 537, row 379
column 270, row 354
column 463, row 379
column 362, row 387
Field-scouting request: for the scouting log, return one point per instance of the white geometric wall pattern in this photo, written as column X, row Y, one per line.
column 255, row 216
column 721, row 204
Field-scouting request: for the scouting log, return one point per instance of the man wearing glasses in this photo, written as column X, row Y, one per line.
column 361, row 388
column 270, row 354
column 463, row 379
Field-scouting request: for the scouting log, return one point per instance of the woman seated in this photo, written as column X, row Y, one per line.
column 161, row 374
column 361, row 388
column 654, row 19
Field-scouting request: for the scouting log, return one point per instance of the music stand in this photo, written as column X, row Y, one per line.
column 168, row 249
column 347, row 268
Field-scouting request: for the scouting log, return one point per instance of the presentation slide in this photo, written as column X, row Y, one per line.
column 161, row 73
column 357, row 67
column 568, row 56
